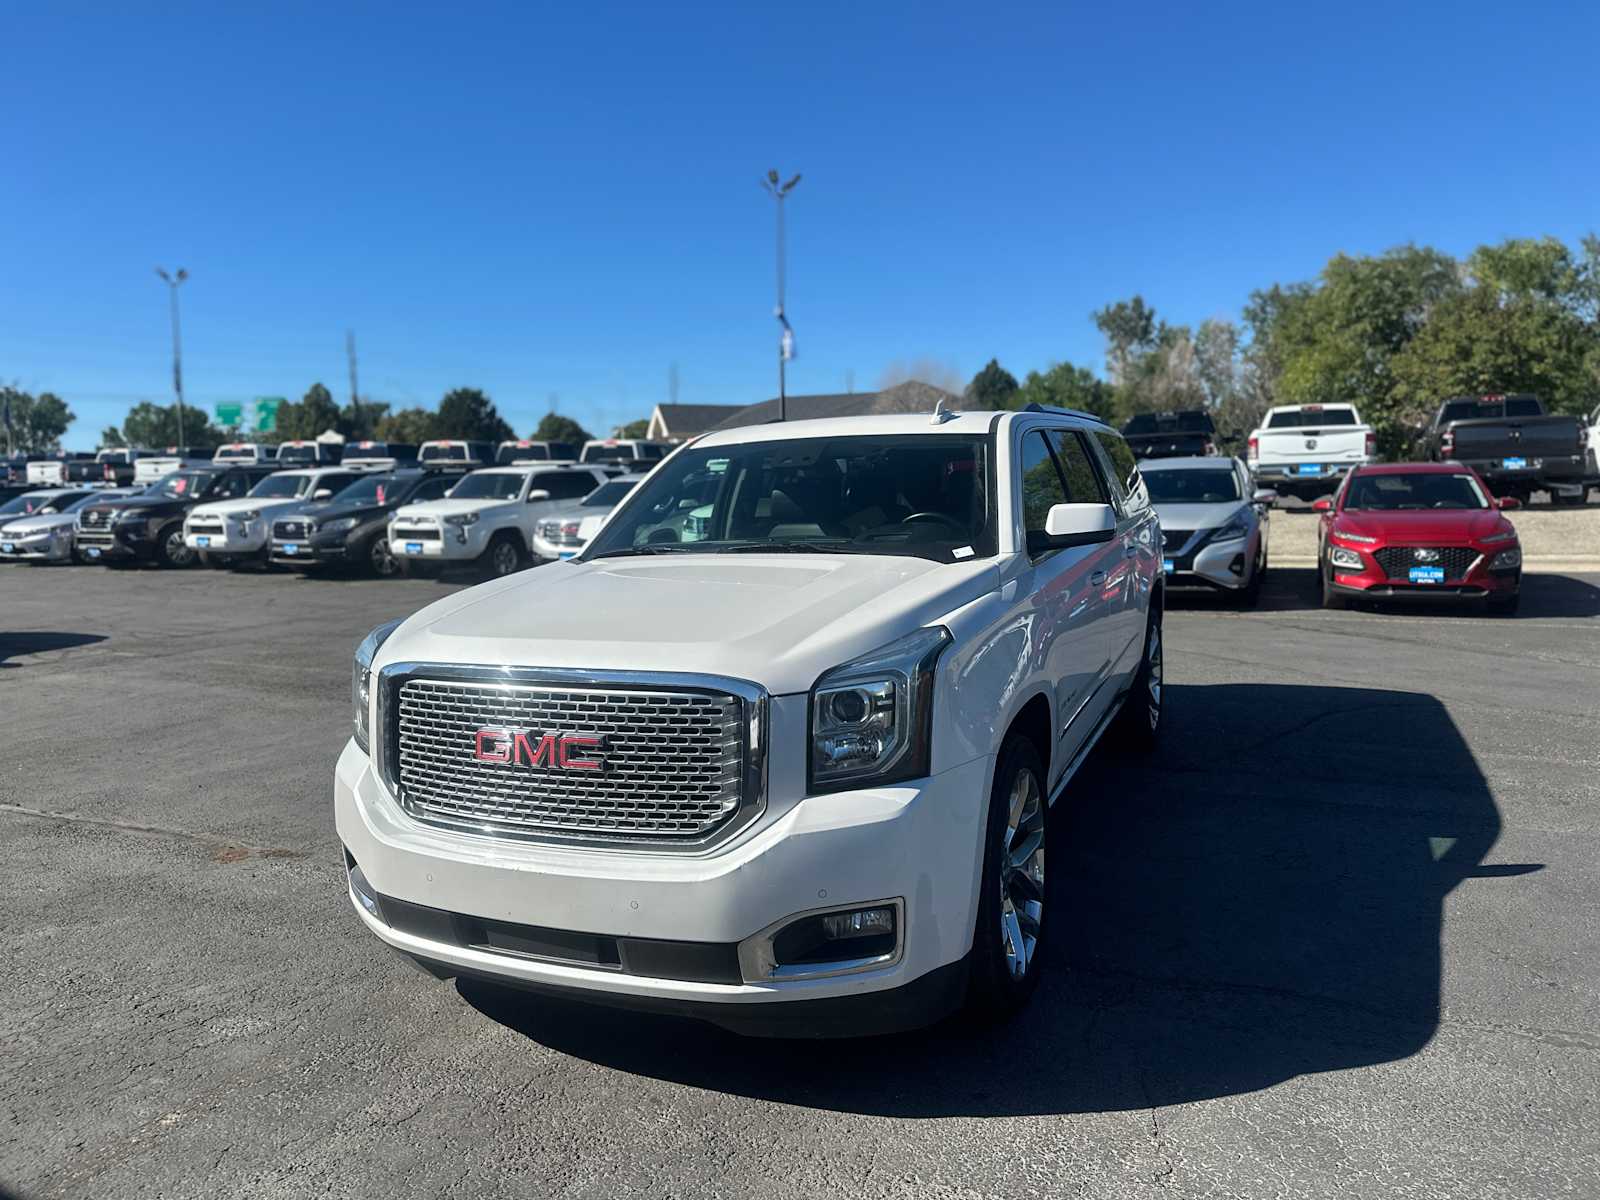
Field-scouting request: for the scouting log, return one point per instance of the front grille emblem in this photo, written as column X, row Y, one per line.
column 1425, row 555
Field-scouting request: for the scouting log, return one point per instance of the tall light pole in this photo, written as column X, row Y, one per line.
column 172, row 282
column 780, row 192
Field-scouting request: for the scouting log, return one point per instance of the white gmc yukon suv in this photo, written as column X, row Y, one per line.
column 791, row 775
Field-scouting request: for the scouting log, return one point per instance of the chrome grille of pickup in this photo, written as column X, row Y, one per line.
column 673, row 761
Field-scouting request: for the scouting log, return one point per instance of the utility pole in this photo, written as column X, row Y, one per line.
column 172, row 282
column 780, row 192
column 672, row 384
column 355, row 398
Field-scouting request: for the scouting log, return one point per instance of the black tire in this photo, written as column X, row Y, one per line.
column 377, row 559
column 1250, row 595
column 1138, row 724
column 1009, row 937
column 170, row 550
column 1330, row 598
column 503, row 556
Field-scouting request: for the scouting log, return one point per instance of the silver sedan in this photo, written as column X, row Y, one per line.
column 1213, row 524
column 562, row 534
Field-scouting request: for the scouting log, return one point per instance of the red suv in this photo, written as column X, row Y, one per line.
column 1418, row 531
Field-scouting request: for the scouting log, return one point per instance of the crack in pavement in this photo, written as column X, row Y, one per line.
column 223, row 850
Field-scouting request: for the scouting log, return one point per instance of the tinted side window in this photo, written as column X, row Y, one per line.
column 1042, row 486
column 432, row 489
column 573, row 485
column 337, row 482
column 1084, row 485
column 1124, row 470
column 231, row 485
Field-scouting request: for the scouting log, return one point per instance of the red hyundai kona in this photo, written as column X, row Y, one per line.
column 1418, row 531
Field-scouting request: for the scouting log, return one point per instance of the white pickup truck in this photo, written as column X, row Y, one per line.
column 1305, row 450
column 794, row 775
column 489, row 518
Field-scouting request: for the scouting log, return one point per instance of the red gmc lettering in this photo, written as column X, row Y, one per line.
column 494, row 746
column 571, row 763
column 545, row 755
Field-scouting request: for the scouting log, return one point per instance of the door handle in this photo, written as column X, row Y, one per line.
column 1129, row 549
column 1096, row 579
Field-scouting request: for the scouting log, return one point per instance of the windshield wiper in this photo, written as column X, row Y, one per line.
column 826, row 547
column 652, row 548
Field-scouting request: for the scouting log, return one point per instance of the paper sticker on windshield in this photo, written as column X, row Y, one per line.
column 717, row 465
column 181, row 486
column 962, row 552
column 380, row 493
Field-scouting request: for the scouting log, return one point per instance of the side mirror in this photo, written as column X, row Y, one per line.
column 1508, row 502
column 1322, row 505
column 1264, row 496
column 1079, row 525
column 538, row 494
column 322, row 494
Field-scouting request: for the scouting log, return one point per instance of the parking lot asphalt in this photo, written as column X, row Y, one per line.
column 1340, row 937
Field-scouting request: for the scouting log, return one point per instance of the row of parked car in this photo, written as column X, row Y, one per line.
column 1306, row 450
column 378, row 509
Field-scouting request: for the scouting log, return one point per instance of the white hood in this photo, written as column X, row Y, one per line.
column 779, row 620
column 1188, row 517
column 226, row 508
column 437, row 510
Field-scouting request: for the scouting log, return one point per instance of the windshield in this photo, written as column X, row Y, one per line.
column 371, row 489
column 483, row 486
column 608, row 494
column 1182, row 422
column 1192, row 487
column 451, row 453
column 928, row 496
column 183, row 483
column 86, row 499
column 1391, row 493
column 26, row 504
column 1312, row 417
column 281, row 486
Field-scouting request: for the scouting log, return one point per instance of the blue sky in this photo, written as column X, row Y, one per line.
column 562, row 199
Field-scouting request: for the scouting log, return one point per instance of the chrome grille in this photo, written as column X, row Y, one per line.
column 207, row 526
column 291, row 529
column 94, row 518
column 674, row 760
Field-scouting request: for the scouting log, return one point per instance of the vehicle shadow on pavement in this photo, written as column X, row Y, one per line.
column 15, row 645
column 1261, row 900
column 1286, row 589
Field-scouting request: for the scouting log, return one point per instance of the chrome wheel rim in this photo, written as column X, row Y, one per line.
column 1022, row 875
column 382, row 561
column 178, row 553
column 1153, row 676
column 505, row 558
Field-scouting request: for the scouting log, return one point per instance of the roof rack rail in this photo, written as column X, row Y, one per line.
column 1035, row 407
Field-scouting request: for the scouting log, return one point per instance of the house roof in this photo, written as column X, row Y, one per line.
column 913, row 396
column 686, row 420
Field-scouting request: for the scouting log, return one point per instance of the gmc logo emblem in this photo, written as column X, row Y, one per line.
column 552, row 751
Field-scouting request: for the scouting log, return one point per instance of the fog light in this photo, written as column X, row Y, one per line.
column 363, row 891
column 863, row 922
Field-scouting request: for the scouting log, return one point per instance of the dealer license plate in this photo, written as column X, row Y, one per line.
column 1308, row 469
column 1427, row 574
column 413, row 547
column 92, row 551
column 291, row 547
column 7, row 547
column 1514, row 464
column 1166, row 566
column 565, row 553
column 202, row 540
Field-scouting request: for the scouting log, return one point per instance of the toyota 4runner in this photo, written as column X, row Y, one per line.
column 793, row 776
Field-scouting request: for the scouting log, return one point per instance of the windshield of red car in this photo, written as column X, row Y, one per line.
column 1424, row 489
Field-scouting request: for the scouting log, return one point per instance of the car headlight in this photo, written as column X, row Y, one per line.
column 1511, row 557
column 244, row 518
column 468, row 518
column 127, row 516
column 361, row 683
column 338, row 525
column 871, row 717
column 1505, row 535
column 1339, row 556
column 1238, row 526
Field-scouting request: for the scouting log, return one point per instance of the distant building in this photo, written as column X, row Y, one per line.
column 913, row 396
column 678, row 422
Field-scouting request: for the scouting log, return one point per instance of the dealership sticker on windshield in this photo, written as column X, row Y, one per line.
column 1427, row 574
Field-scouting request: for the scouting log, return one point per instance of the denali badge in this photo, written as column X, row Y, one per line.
column 1425, row 555
column 553, row 751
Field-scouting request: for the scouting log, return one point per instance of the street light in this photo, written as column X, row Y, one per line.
column 172, row 282
column 780, row 192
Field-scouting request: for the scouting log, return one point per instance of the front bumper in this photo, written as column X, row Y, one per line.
column 309, row 553
column 453, row 543
column 39, row 547
column 1223, row 565
column 548, row 551
column 235, row 539
column 917, row 843
column 116, row 543
column 1479, row 582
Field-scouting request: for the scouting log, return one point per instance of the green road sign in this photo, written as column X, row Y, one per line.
column 230, row 415
column 267, row 413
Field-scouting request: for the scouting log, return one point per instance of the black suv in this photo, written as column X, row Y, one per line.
column 353, row 527
column 149, row 527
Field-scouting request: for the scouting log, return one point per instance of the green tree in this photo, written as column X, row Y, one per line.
column 361, row 421
column 409, row 425
column 635, row 429
column 1130, row 330
column 994, row 387
column 553, row 427
column 112, row 436
column 37, row 422
column 314, row 415
column 1063, row 385
column 469, row 414
column 155, row 426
